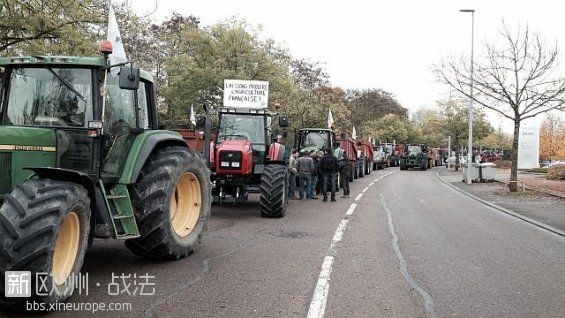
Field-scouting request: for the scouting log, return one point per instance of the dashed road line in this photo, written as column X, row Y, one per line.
column 351, row 209
column 319, row 299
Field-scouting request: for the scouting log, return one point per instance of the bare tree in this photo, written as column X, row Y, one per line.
column 516, row 80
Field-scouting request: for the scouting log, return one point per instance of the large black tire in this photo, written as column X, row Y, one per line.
column 31, row 219
column 352, row 174
column 362, row 168
column 274, row 192
column 403, row 165
column 424, row 164
column 157, row 191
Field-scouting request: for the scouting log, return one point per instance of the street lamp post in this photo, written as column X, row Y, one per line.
column 470, row 143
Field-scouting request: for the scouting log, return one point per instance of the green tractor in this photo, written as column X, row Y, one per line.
column 414, row 156
column 82, row 157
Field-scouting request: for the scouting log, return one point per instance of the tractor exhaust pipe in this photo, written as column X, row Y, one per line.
column 207, row 129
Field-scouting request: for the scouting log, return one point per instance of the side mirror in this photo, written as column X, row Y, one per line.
column 201, row 122
column 129, row 78
column 283, row 121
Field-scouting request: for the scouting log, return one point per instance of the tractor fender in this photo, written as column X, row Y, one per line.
column 142, row 147
column 65, row 175
column 81, row 178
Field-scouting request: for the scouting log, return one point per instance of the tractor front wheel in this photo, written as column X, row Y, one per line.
column 274, row 191
column 45, row 227
column 172, row 201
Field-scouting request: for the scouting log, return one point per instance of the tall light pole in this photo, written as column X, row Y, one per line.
column 470, row 144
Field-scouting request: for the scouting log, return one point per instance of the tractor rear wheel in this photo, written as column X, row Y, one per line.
column 403, row 165
column 362, row 168
column 45, row 228
column 172, row 199
column 424, row 164
column 274, row 191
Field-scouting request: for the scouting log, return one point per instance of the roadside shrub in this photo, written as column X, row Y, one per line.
column 503, row 164
column 556, row 172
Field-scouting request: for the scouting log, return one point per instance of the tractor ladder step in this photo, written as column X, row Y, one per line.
column 118, row 203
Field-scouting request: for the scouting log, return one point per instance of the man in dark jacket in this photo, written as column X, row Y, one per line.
column 344, row 175
column 305, row 166
column 329, row 166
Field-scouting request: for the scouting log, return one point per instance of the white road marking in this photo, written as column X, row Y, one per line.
column 318, row 304
column 319, row 299
column 338, row 235
column 428, row 301
column 351, row 209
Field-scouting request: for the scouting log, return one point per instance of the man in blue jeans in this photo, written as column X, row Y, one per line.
column 305, row 165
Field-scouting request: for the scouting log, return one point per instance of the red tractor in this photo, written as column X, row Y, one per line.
column 245, row 158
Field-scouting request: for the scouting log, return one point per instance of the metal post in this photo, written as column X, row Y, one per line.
column 448, row 152
column 470, row 116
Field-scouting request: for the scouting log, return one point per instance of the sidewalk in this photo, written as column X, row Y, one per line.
column 539, row 206
column 534, row 181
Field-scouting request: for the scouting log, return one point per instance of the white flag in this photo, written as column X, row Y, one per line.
column 118, row 53
column 354, row 133
column 330, row 119
column 192, row 116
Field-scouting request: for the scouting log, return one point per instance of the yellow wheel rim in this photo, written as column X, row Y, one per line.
column 66, row 249
column 185, row 204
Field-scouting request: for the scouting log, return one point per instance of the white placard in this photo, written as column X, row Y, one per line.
column 246, row 94
column 528, row 148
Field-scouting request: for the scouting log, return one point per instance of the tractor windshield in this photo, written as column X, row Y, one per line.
column 242, row 126
column 53, row 97
column 414, row 150
column 315, row 139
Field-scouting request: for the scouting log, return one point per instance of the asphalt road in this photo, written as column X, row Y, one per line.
column 411, row 247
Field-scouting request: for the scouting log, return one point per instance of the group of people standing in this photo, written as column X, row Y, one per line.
column 317, row 172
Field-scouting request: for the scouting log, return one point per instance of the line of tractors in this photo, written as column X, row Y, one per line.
column 82, row 156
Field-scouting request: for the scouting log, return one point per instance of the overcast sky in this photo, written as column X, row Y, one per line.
column 385, row 44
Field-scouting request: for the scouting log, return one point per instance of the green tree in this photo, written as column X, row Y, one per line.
column 393, row 127
column 227, row 50
column 57, row 27
column 429, row 122
column 371, row 104
column 454, row 123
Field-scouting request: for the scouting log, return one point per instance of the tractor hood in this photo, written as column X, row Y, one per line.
column 234, row 157
column 22, row 147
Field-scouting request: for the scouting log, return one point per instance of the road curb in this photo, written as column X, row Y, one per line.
column 544, row 226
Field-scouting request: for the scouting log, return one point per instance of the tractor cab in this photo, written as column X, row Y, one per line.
column 316, row 139
column 53, row 115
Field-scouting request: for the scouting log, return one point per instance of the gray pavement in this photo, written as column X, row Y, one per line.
column 539, row 206
column 471, row 260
